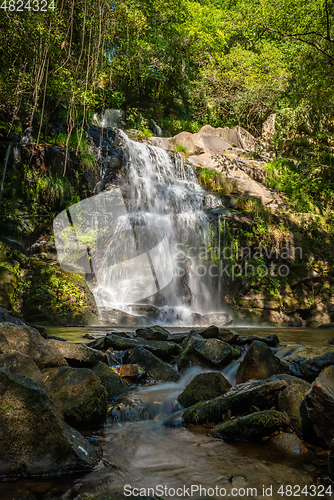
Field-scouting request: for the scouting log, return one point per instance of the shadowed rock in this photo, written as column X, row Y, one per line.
column 203, row 387
column 238, row 400
column 113, row 383
column 156, row 368
column 162, row 349
column 308, row 362
column 320, row 405
column 259, row 362
column 29, row 341
column 292, row 402
column 79, row 395
column 33, row 437
column 251, row 427
column 78, row 356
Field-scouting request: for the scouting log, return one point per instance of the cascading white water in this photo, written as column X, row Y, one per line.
column 142, row 258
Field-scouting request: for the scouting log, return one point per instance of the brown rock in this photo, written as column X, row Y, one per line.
column 259, row 362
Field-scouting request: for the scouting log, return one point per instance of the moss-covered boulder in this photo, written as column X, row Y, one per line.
column 203, row 387
column 11, row 262
column 77, row 355
column 251, row 427
column 56, row 297
column 33, row 437
column 208, row 352
column 29, row 341
column 155, row 367
column 308, row 362
column 163, row 349
column 320, row 405
column 79, row 395
column 259, row 362
column 292, row 402
column 262, row 394
column 113, row 383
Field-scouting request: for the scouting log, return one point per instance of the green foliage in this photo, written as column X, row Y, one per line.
column 310, row 188
column 54, row 190
column 181, row 149
column 215, row 181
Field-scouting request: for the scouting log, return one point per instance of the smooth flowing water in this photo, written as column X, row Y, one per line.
column 156, row 454
column 143, row 258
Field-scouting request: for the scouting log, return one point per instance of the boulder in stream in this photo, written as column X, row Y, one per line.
column 29, row 341
column 129, row 409
column 320, row 405
column 77, row 355
column 33, row 437
column 203, row 387
column 162, row 349
column 111, row 381
column 157, row 369
column 79, row 395
column 289, row 443
column 292, row 402
column 259, row 362
column 308, row 362
column 208, row 352
column 271, row 340
column 250, row 427
column 238, row 400
column 152, row 333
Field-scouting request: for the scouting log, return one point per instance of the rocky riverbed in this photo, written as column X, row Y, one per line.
column 73, row 407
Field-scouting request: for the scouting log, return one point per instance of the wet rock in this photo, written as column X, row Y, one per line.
column 238, row 400
column 292, row 402
column 308, row 362
column 156, row 368
column 203, row 387
column 78, row 356
column 111, row 381
column 211, row 352
column 212, row 332
column 219, row 319
column 15, row 363
column 129, row 409
column 79, row 395
column 259, row 362
column 152, row 333
column 330, row 341
column 320, row 405
column 331, row 461
column 174, row 420
column 33, row 437
column 290, row 443
column 228, row 335
column 250, row 427
column 29, row 341
column 270, row 340
column 327, row 326
column 129, row 371
column 162, row 349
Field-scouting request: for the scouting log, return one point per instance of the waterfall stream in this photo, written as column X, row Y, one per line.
column 146, row 255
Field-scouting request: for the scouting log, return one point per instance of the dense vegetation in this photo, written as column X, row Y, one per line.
column 182, row 62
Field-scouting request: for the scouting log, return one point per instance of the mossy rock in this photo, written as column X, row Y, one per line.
column 79, row 395
column 292, row 402
column 113, row 383
column 155, row 367
column 33, row 436
column 251, row 427
column 57, row 297
column 236, row 401
column 10, row 265
column 77, row 355
column 258, row 363
column 203, row 387
column 163, row 349
column 207, row 352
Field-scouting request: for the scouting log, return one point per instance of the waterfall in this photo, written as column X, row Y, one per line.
column 143, row 239
column 145, row 259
